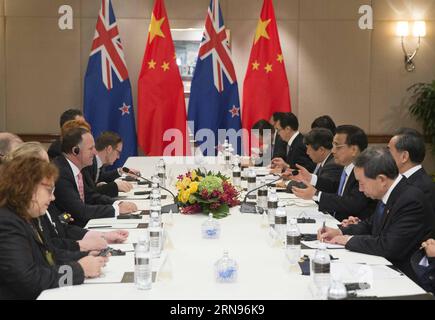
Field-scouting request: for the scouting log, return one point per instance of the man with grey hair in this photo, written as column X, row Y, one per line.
column 402, row 219
column 8, row 142
column 408, row 150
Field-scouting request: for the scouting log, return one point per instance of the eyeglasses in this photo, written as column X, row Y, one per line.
column 50, row 188
column 338, row 146
column 119, row 152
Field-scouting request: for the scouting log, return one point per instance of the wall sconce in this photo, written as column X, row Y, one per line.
column 418, row 31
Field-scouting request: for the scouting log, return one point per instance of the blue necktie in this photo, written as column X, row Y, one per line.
column 379, row 211
column 342, row 180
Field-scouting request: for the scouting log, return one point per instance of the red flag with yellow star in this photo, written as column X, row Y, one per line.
column 161, row 105
column 265, row 89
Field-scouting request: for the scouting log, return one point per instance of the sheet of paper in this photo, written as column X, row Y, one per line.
column 315, row 245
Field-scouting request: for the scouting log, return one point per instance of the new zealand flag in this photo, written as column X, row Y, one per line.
column 108, row 103
column 214, row 98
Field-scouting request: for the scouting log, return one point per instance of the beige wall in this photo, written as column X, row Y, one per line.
column 333, row 67
column 2, row 68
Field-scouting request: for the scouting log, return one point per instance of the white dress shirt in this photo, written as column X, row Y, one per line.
column 411, row 171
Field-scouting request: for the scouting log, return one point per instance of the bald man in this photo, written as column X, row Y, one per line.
column 8, row 142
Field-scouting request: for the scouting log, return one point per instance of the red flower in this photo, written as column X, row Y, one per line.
column 195, row 208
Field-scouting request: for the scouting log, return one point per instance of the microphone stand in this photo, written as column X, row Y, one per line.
column 166, row 208
column 246, row 207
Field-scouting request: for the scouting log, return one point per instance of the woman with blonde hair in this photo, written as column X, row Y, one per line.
column 27, row 264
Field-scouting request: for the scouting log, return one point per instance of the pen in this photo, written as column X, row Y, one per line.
column 99, row 227
column 324, row 227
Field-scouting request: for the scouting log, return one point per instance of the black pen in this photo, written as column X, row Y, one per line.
column 99, row 227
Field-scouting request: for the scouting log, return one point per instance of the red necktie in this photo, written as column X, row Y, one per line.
column 80, row 186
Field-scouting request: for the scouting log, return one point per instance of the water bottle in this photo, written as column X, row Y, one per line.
column 321, row 270
column 262, row 194
column 156, row 235
column 155, row 211
column 210, row 228
column 155, row 207
column 227, row 155
column 293, row 244
column 226, row 269
column 161, row 172
column 237, row 177
column 252, row 183
column 272, row 205
column 281, row 224
column 155, row 182
column 142, row 263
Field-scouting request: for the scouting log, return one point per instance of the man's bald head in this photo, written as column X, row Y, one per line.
column 8, row 142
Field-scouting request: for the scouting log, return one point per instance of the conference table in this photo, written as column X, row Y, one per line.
column 185, row 270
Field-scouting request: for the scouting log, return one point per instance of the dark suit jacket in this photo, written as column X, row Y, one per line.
column 24, row 271
column 406, row 221
column 110, row 188
column 423, row 181
column 64, row 249
column 425, row 275
column 297, row 154
column 55, row 149
column 68, row 198
column 352, row 203
column 279, row 149
column 64, row 228
column 327, row 176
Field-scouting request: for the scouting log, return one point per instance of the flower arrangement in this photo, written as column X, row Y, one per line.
column 206, row 192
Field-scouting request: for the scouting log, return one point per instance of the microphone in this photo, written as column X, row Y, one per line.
column 246, row 207
column 165, row 209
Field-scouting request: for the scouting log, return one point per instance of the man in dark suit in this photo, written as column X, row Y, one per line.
column 279, row 146
column 72, row 194
column 296, row 153
column 423, row 264
column 71, row 114
column 402, row 217
column 347, row 200
column 408, row 150
column 327, row 172
column 109, row 148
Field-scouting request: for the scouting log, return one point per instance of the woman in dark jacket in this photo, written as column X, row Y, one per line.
column 27, row 266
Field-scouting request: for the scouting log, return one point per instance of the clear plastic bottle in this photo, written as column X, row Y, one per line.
column 321, row 271
column 142, row 263
column 252, row 183
column 155, row 207
column 211, row 228
column 262, row 194
column 293, row 243
column 156, row 235
column 281, row 224
column 226, row 269
column 272, row 205
column 237, row 177
column 161, row 172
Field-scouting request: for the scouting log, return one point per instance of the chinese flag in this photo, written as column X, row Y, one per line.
column 265, row 89
column 161, row 105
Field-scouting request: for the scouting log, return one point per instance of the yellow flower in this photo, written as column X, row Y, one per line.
column 179, row 186
column 193, row 187
column 193, row 175
column 183, row 196
column 186, row 181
